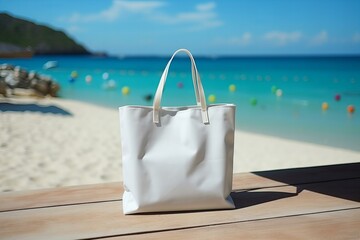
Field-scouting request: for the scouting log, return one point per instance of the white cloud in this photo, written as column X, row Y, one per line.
column 114, row 11
column 356, row 38
column 203, row 17
column 320, row 38
column 236, row 41
column 245, row 39
column 205, row 6
column 73, row 29
column 283, row 38
column 139, row 6
column 189, row 17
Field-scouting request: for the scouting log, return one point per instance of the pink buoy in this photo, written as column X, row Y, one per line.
column 337, row 97
column 180, row 85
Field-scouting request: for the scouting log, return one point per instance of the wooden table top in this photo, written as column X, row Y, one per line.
column 303, row 203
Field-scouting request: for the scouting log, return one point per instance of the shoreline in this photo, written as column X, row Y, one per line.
column 69, row 142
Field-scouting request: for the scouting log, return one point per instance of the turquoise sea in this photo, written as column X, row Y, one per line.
column 305, row 82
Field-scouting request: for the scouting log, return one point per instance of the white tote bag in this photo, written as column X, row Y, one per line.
column 177, row 158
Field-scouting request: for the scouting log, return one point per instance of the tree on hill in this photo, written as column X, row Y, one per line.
column 41, row 39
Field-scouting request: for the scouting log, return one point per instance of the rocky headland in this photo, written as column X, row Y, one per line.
column 20, row 37
column 16, row 81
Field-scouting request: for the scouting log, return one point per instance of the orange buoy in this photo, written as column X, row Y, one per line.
column 351, row 109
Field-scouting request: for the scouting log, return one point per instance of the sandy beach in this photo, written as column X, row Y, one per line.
column 65, row 142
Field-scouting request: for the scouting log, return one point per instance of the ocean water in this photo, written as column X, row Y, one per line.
column 306, row 82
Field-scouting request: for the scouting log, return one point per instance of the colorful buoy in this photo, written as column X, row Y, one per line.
column 273, row 89
column 351, row 109
column 125, row 90
column 212, row 98
column 74, row 74
column 279, row 93
column 337, row 97
column 105, row 76
column 232, row 88
column 111, row 84
column 88, row 78
column 324, row 106
column 148, row 97
column 253, row 101
column 180, row 85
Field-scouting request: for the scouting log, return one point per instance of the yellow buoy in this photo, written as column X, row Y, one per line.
column 125, row 90
column 324, row 106
column 212, row 98
column 232, row 88
column 74, row 74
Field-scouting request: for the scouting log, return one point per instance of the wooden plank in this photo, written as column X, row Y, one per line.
column 311, row 174
column 106, row 218
column 113, row 191
column 327, row 225
column 60, row 196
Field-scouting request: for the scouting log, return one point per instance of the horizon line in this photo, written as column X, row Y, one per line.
column 215, row 56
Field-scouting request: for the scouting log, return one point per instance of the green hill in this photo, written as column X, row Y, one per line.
column 41, row 39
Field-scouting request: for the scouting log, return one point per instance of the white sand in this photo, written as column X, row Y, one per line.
column 41, row 150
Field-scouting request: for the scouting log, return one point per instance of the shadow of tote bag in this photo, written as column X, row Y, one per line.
column 177, row 158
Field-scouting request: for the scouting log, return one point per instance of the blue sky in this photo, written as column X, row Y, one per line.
column 232, row 27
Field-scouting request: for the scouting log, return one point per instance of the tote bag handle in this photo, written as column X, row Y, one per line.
column 199, row 90
column 194, row 73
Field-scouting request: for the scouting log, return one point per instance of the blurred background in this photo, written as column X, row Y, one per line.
column 291, row 67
